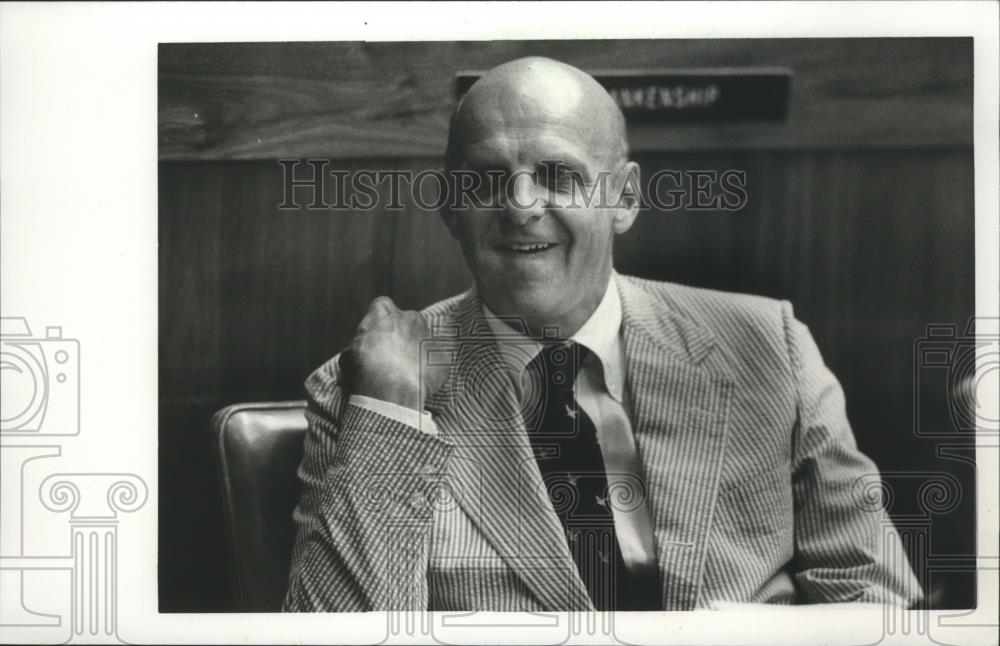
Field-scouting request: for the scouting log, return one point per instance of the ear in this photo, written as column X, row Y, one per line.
column 629, row 199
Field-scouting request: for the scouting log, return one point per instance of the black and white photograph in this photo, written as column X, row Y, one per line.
column 738, row 257
column 469, row 336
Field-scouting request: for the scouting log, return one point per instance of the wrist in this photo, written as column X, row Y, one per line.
column 394, row 393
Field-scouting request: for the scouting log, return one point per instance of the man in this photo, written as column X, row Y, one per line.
column 563, row 437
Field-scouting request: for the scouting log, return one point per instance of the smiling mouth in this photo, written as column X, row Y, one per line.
column 527, row 248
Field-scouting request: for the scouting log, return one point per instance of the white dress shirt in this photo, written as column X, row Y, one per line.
column 600, row 392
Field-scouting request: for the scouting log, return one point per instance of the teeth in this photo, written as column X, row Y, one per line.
column 529, row 247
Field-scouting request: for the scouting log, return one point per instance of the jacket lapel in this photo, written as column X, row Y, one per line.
column 493, row 473
column 680, row 412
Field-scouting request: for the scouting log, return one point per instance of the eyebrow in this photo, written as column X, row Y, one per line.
column 567, row 161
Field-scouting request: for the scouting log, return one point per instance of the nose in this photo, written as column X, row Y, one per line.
column 525, row 199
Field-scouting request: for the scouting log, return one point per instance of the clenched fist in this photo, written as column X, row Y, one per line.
column 383, row 361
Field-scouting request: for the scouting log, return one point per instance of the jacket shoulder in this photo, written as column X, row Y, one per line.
column 711, row 306
column 750, row 329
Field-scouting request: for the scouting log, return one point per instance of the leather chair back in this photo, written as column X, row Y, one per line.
column 258, row 448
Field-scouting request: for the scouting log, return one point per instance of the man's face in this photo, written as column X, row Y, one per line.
column 544, row 254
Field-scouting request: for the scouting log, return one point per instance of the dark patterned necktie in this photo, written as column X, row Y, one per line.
column 564, row 441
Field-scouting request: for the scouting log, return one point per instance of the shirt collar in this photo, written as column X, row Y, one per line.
column 601, row 334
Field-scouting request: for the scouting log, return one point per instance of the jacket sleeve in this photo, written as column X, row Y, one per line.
column 846, row 548
column 364, row 517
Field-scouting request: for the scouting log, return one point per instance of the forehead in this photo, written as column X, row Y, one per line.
column 533, row 116
column 527, row 133
column 530, row 147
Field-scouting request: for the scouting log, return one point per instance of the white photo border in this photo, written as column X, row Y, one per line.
column 78, row 229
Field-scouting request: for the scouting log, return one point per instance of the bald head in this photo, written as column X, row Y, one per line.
column 535, row 91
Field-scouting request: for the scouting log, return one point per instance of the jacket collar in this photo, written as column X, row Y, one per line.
column 600, row 334
column 660, row 320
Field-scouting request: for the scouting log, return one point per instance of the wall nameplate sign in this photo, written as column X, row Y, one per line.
column 689, row 95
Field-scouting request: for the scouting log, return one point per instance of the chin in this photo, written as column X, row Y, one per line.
column 537, row 304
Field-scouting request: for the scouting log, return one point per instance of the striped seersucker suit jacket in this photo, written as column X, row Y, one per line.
column 756, row 488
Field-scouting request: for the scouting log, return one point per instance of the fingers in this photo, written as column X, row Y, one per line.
column 379, row 309
column 384, row 304
column 384, row 358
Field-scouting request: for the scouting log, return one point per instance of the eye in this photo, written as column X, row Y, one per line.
column 565, row 180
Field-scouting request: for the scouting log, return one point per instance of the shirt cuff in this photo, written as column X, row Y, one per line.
column 421, row 420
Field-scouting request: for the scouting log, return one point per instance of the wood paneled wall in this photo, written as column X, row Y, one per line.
column 860, row 212
column 348, row 100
